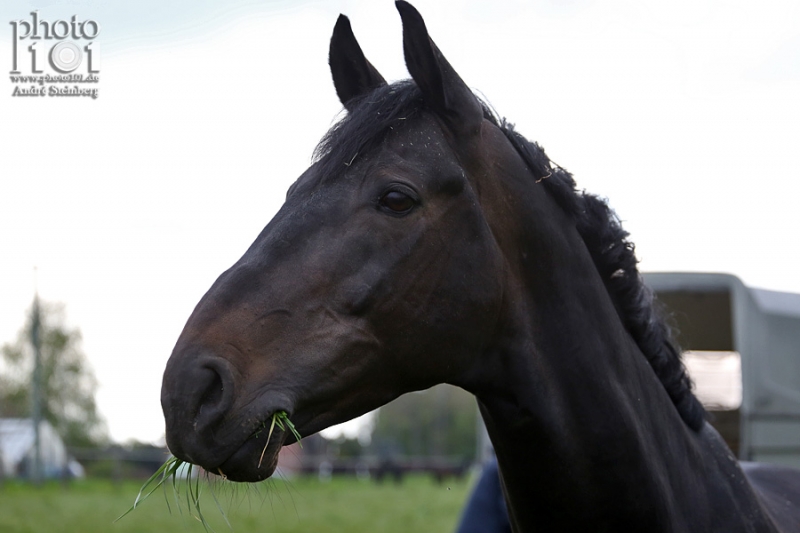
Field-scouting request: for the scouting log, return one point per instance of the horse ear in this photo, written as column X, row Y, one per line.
column 441, row 86
column 352, row 74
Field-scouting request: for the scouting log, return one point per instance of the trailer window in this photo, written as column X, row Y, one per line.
column 717, row 376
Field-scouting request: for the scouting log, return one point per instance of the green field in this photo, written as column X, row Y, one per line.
column 301, row 505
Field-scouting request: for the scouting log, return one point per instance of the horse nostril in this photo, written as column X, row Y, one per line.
column 213, row 394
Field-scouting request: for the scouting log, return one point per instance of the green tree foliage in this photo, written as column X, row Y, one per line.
column 68, row 383
column 440, row 421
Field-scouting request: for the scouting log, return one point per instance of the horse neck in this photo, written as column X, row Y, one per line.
column 581, row 426
column 584, row 432
column 587, row 438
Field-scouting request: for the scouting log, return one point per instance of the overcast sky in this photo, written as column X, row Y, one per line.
column 684, row 114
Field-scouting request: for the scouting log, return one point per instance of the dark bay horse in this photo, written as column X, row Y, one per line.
column 430, row 243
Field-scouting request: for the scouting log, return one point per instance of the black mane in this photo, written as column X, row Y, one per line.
column 615, row 259
column 365, row 127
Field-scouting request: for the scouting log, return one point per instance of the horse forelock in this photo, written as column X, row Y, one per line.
column 365, row 126
column 376, row 113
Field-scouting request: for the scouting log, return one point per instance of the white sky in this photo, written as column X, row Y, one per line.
column 686, row 115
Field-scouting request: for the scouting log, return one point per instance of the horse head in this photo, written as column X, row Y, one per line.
column 381, row 274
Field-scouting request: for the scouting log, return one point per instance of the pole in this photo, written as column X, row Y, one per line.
column 36, row 393
column 2, row 463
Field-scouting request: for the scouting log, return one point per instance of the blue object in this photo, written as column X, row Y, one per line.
column 486, row 510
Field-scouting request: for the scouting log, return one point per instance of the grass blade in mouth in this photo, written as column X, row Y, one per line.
column 269, row 436
column 169, row 470
column 281, row 419
column 291, row 428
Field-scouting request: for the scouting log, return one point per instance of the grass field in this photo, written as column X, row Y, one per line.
column 301, row 505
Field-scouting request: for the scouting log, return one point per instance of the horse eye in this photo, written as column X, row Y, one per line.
column 397, row 202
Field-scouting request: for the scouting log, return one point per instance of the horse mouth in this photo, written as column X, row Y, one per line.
column 256, row 459
column 244, row 465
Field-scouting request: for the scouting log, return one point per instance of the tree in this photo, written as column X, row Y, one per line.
column 68, row 384
column 440, row 421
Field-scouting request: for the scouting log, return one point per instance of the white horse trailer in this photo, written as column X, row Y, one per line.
column 718, row 319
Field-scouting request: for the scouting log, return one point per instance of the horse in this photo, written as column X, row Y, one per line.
column 429, row 242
